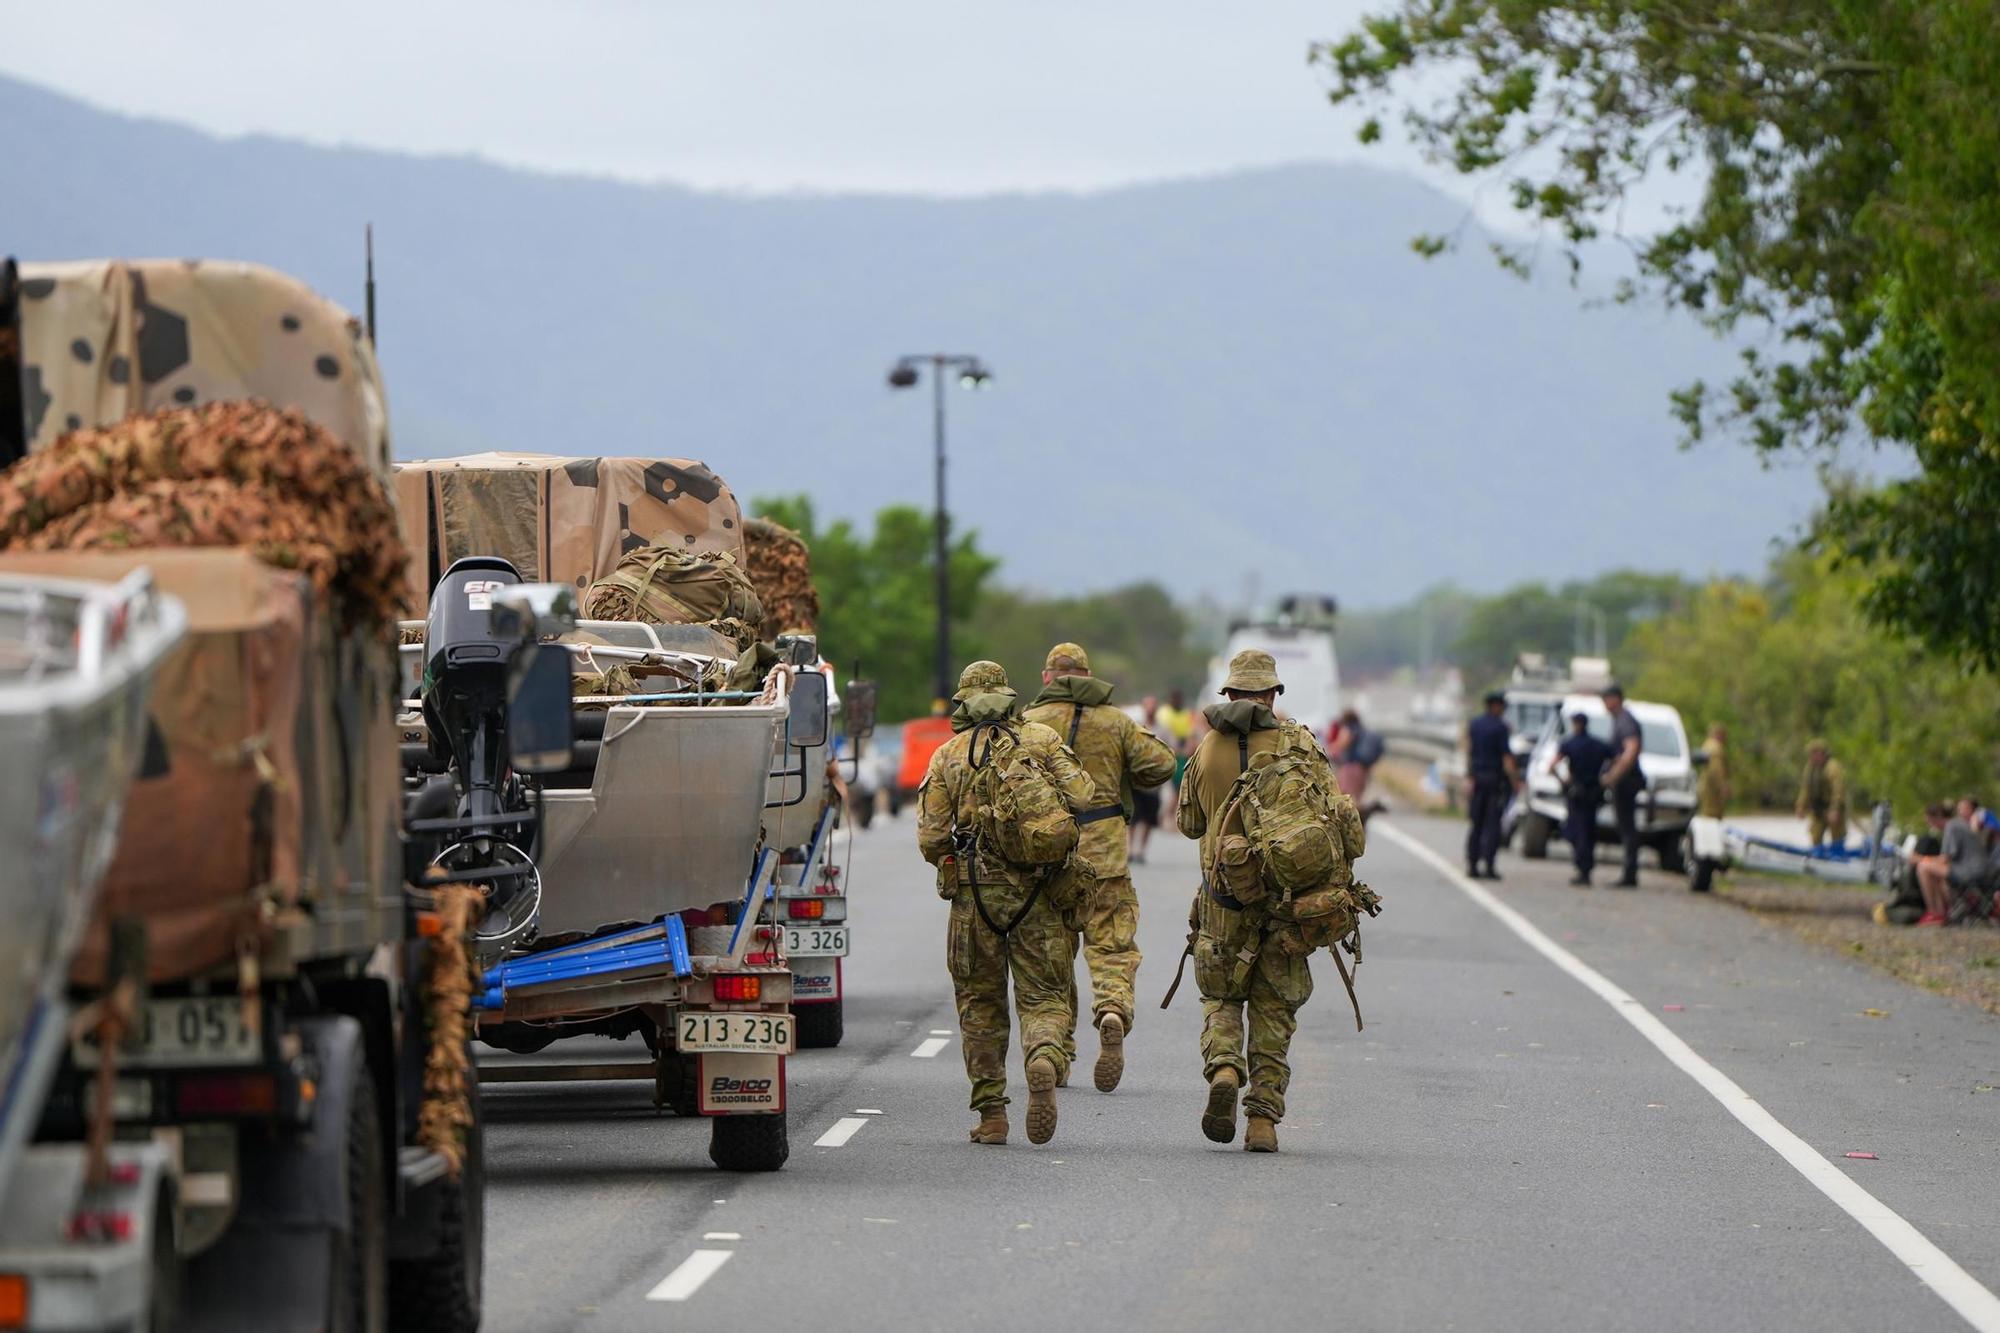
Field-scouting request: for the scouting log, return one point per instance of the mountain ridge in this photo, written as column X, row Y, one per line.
column 1205, row 380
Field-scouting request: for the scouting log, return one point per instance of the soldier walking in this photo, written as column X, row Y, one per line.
column 1120, row 756
column 1243, row 958
column 1822, row 799
column 1007, row 918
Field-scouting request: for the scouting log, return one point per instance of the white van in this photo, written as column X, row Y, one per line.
column 1665, row 807
column 1306, row 664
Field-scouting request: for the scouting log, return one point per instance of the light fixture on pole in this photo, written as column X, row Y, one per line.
column 972, row 374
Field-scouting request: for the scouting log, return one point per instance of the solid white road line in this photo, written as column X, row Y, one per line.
column 686, row 1280
column 1933, row 1267
column 843, row 1130
column 929, row 1047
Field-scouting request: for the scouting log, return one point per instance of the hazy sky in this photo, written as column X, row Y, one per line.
column 760, row 94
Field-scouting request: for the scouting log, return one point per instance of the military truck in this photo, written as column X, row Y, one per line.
column 240, row 1136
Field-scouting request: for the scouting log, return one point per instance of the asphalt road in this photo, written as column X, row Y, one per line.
column 1504, row 1147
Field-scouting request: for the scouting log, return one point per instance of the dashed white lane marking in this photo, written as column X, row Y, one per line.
column 843, row 1129
column 686, row 1280
column 1934, row 1268
column 722, row 1235
column 929, row 1047
column 940, row 1032
column 866, row 1110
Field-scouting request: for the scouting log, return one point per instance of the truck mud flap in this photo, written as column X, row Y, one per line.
column 815, row 980
column 270, row 1270
column 731, row 1083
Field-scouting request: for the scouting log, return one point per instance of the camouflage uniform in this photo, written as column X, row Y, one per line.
column 1822, row 799
column 1119, row 755
column 1712, row 791
column 1037, row 951
column 1242, row 959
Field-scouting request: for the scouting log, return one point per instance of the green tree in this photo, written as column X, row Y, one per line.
column 878, row 599
column 1137, row 637
column 1848, row 214
column 1796, row 658
column 1534, row 618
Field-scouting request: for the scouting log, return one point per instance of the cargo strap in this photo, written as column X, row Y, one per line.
column 1075, row 721
column 1186, row 954
column 1347, row 980
column 1101, row 813
column 1242, row 753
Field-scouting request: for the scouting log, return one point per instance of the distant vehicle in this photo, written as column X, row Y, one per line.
column 1535, row 694
column 1299, row 637
column 1666, row 806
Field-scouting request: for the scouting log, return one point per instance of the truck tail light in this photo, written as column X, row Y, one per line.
column 806, row 908
column 13, row 1301
column 739, row 989
column 98, row 1225
column 254, row 1093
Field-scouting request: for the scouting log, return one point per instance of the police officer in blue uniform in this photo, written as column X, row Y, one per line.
column 1584, row 757
column 1627, row 781
column 1489, row 761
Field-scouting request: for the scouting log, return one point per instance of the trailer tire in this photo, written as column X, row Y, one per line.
column 749, row 1142
column 1535, row 831
column 358, row 1291
column 820, row 1025
column 442, row 1293
column 1702, row 878
column 1673, row 856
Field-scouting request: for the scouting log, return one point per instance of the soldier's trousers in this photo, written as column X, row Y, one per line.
column 1037, row 955
column 1109, row 943
column 1827, row 828
column 1248, row 1026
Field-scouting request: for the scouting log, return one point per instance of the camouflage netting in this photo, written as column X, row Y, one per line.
column 449, row 1081
column 222, row 474
column 778, row 563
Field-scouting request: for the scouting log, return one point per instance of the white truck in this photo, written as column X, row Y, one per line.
column 1299, row 635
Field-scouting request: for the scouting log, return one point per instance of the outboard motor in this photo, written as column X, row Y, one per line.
column 473, row 666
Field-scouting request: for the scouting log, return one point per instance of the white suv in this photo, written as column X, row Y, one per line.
column 1665, row 807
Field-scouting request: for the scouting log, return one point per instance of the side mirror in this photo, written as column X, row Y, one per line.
column 536, row 609
column 541, row 730
column 806, row 726
column 858, row 709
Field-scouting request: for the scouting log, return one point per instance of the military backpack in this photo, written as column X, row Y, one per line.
column 1279, row 840
column 1019, row 812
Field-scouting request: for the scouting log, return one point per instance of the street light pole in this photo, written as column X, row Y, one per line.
column 973, row 374
column 941, row 526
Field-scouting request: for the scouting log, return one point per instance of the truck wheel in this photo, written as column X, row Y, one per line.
column 1673, row 856
column 441, row 1294
column 359, row 1267
column 820, row 1025
column 749, row 1142
column 1535, row 831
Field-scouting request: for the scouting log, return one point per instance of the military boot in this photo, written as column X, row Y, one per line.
column 1041, row 1100
column 1260, row 1134
column 1219, row 1120
column 992, row 1126
column 1110, row 1052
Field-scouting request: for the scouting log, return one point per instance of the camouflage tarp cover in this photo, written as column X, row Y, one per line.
column 103, row 339
column 777, row 561
column 559, row 520
column 222, row 474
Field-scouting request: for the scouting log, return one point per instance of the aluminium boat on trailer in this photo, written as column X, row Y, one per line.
column 77, row 662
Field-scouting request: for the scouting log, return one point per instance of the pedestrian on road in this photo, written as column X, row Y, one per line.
column 1822, row 799
column 1357, row 753
column 1711, row 793
column 1243, row 960
column 1626, row 780
column 1006, row 918
column 1148, row 801
column 1121, row 757
column 1491, row 776
column 1584, row 759
column 1179, row 723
